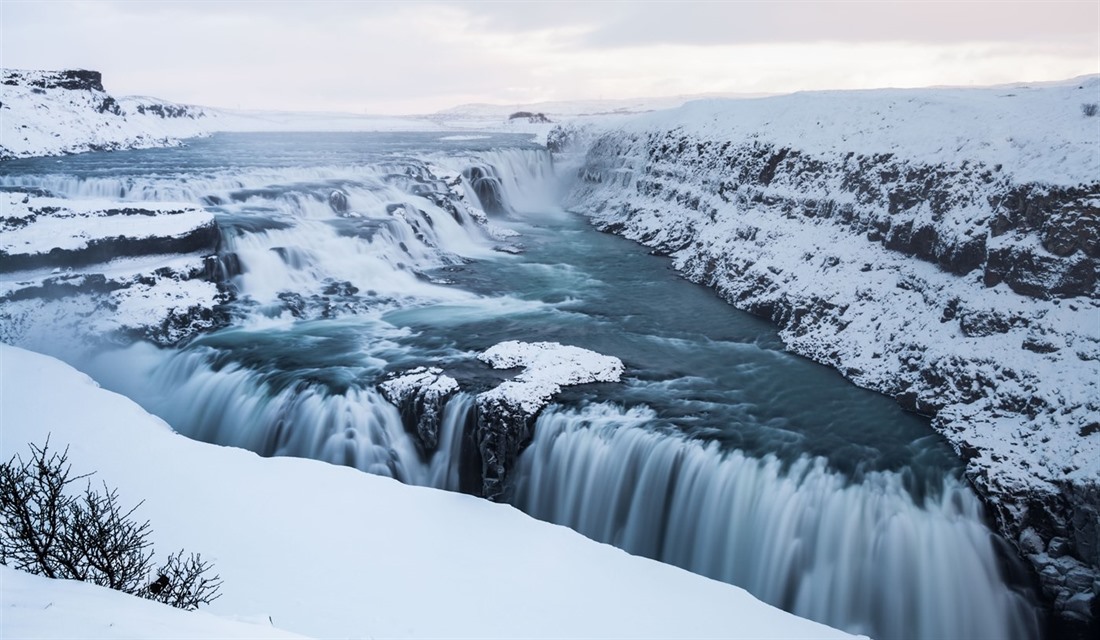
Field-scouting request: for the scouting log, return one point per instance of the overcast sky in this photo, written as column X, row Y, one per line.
column 416, row 57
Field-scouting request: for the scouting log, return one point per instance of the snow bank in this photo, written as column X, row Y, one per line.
column 332, row 552
column 38, row 607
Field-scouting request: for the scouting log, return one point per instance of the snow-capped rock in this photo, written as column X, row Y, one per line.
column 420, row 395
column 45, row 113
column 935, row 245
column 506, row 413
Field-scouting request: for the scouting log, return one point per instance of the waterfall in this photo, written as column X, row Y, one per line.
column 320, row 254
column 866, row 557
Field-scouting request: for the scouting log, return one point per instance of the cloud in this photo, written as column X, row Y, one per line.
column 695, row 22
column 416, row 57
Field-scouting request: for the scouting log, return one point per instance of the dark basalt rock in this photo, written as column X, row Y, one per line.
column 338, row 201
column 1041, row 276
column 420, row 396
column 204, row 238
column 536, row 118
column 73, row 79
column 503, row 430
column 170, row 111
column 109, row 105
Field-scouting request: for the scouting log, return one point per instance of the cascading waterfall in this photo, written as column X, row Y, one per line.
column 278, row 414
column 863, row 557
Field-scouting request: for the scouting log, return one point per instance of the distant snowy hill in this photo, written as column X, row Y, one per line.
column 329, row 551
column 938, row 245
column 61, row 112
column 575, row 108
column 44, row 113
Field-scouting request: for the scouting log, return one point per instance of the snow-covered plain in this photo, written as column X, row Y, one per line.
column 937, row 245
column 329, row 551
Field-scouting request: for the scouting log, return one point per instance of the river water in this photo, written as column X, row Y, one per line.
column 719, row 452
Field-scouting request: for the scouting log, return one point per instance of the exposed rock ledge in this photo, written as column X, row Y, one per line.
column 102, row 270
column 938, row 246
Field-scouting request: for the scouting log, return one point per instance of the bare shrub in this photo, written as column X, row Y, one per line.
column 47, row 529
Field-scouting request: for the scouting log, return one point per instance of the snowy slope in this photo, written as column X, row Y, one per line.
column 332, row 552
column 38, row 607
column 937, row 245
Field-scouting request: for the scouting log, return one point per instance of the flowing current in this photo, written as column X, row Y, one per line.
column 353, row 256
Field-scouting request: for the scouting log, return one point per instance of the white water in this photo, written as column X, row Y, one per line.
column 863, row 557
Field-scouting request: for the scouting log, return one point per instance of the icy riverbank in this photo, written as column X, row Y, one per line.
column 936, row 245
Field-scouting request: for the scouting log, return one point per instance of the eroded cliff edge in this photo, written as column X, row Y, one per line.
column 940, row 246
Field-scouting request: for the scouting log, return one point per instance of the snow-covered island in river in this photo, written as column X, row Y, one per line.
column 886, row 421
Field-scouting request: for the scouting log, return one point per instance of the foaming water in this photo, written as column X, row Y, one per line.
column 864, row 557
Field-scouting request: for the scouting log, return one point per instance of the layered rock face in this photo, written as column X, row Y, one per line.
column 939, row 246
column 44, row 113
column 94, row 270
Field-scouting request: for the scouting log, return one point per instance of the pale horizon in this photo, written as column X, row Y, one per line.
column 383, row 58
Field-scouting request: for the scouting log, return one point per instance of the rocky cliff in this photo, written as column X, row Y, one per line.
column 940, row 246
column 45, row 113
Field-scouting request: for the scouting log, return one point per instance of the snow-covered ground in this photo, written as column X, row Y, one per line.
column 937, row 245
column 35, row 225
column 329, row 551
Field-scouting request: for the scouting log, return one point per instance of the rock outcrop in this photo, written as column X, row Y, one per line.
column 937, row 246
column 506, row 413
column 420, row 395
